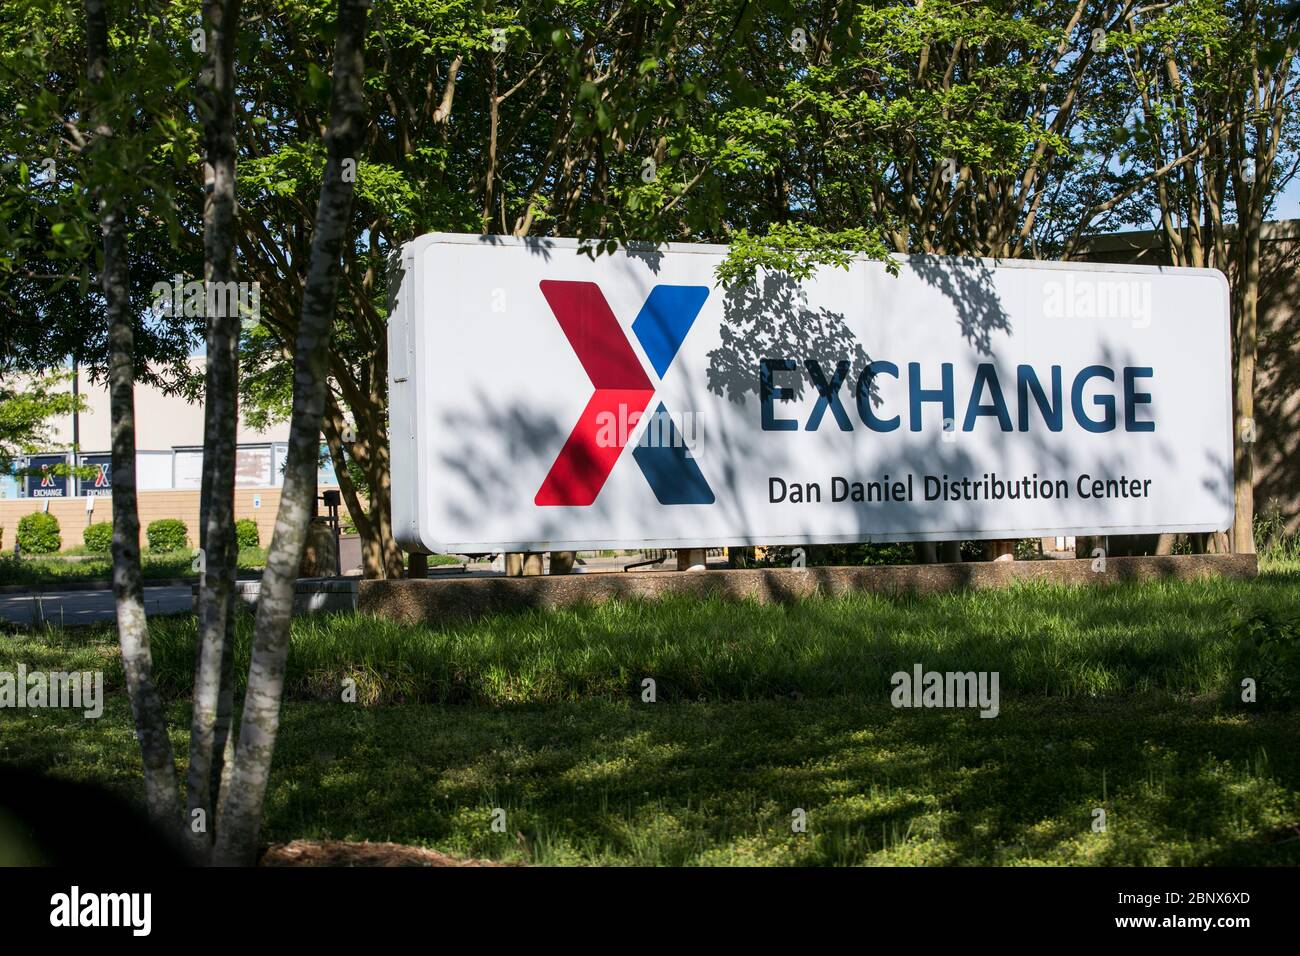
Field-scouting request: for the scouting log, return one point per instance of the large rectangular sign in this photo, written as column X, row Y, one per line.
column 543, row 400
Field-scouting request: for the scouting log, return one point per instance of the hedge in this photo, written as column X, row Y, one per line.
column 38, row 533
column 167, row 534
column 246, row 533
column 98, row 537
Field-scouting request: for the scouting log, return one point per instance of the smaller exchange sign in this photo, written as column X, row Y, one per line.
column 100, row 482
column 542, row 399
column 47, row 476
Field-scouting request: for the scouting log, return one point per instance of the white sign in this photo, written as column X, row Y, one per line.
column 253, row 467
column 187, row 469
column 544, row 400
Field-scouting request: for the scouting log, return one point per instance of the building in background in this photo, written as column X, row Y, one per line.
column 169, row 466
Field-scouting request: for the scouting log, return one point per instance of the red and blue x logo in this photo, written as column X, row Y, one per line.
column 622, row 387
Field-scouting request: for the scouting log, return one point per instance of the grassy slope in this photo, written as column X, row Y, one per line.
column 1111, row 698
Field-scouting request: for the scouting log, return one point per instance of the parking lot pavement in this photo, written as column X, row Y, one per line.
column 73, row 608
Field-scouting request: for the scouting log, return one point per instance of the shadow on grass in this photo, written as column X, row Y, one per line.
column 717, row 783
column 762, row 711
column 1173, row 637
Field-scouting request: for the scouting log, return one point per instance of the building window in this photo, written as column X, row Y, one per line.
column 253, row 467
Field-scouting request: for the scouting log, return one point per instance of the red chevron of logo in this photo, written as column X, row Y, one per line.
column 597, row 339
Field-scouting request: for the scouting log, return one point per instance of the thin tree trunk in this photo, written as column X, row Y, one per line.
column 213, row 677
column 381, row 557
column 381, row 509
column 162, row 795
column 494, row 116
column 240, row 818
column 1243, row 525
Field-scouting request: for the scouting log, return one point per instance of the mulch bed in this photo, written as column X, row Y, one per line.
column 342, row 853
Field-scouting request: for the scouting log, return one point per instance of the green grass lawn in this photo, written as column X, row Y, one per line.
column 1118, row 698
column 55, row 569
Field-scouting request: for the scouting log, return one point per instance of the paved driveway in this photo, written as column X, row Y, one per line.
column 72, row 608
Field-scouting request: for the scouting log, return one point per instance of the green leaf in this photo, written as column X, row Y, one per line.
column 318, row 82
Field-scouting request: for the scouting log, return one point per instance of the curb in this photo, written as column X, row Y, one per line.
column 415, row 601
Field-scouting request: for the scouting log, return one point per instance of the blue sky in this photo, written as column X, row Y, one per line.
column 1288, row 204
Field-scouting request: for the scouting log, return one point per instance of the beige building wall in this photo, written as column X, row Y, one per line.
column 183, row 504
column 169, row 440
column 162, row 421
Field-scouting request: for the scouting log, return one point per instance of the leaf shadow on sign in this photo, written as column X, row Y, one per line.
column 770, row 319
column 537, row 245
column 518, row 437
column 646, row 252
column 968, row 284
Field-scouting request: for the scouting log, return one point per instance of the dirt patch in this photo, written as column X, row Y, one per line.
column 342, row 853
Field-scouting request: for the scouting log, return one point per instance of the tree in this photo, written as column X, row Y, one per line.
column 108, row 161
column 240, row 813
column 1217, row 82
column 214, row 674
column 49, row 226
column 111, row 127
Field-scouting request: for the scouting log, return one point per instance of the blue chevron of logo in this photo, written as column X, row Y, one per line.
column 661, row 327
column 674, row 477
column 662, row 324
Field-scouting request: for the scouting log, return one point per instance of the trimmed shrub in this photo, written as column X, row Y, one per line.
column 246, row 533
column 167, row 534
column 98, row 537
column 38, row 533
